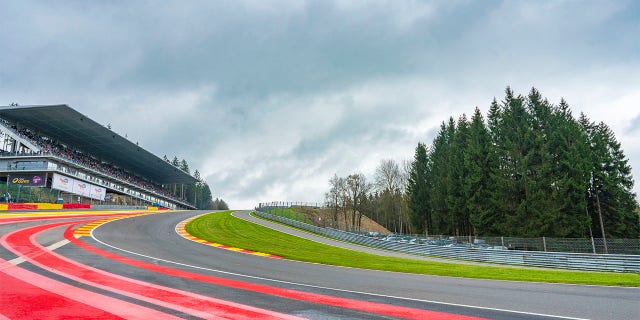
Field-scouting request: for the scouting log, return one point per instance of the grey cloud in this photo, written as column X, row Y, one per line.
column 634, row 126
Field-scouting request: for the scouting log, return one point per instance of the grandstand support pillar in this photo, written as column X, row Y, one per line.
column 8, row 195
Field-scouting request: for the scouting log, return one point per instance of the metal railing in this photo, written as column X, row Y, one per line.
column 560, row 260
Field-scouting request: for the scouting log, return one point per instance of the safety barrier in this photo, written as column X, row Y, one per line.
column 560, row 260
column 49, row 206
column 60, row 206
column 76, row 206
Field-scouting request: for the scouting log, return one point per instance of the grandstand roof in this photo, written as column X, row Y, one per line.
column 74, row 129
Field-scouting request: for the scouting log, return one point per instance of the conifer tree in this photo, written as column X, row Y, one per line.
column 418, row 191
column 569, row 150
column 458, row 174
column 478, row 163
column 538, row 166
column 184, row 166
column 612, row 204
column 441, row 185
column 514, row 143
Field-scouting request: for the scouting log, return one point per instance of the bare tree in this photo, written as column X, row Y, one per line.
column 357, row 190
column 405, row 171
column 391, row 182
column 388, row 175
column 336, row 197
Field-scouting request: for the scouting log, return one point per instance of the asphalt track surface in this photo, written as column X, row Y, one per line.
column 139, row 267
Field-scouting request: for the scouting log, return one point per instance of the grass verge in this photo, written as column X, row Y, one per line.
column 221, row 227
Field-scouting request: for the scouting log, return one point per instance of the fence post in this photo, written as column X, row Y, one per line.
column 502, row 240
column 593, row 245
column 544, row 243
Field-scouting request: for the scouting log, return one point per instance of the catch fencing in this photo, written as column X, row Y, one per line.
column 488, row 254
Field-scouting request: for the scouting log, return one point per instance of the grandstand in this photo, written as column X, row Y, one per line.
column 55, row 154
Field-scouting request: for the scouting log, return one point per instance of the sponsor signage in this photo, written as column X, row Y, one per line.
column 98, row 193
column 78, row 187
column 81, row 188
column 31, row 180
column 61, row 182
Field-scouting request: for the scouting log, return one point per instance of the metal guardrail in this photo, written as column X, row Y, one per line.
column 560, row 260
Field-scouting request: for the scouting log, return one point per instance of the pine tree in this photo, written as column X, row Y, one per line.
column 440, row 173
column 498, row 191
column 184, row 166
column 513, row 179
column 205, row 196
column 219, row 204
column 418, row 191
column 477, row 162
column 542, row 213
column 533, row 170
column 612, row 204
column 569, row 149
column 458, row 175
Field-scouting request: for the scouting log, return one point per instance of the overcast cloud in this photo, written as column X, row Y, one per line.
column 268, row 99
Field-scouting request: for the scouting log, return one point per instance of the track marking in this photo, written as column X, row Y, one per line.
column 85, row 230
column 180, row 230
column 52, row 247
column 61, row 214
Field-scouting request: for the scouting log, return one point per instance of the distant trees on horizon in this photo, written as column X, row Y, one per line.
column 530, row 169
column 197, row 193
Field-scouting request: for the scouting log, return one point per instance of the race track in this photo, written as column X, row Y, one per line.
column 139, row 267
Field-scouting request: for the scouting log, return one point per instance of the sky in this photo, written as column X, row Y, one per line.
column 269, row 99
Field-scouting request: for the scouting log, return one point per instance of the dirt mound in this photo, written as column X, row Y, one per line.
column 322, row 217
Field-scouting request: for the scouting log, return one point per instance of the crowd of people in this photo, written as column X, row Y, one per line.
column 50, row 147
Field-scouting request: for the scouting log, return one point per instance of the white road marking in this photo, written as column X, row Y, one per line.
column 51, row 247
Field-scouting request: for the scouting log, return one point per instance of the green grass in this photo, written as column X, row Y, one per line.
column 221, row 227
column 289, row 213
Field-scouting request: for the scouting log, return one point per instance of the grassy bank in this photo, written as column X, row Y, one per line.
column 223, row 228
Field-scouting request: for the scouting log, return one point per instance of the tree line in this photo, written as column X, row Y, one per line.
column 530, row 169
column 383, row 200
column 197, row 193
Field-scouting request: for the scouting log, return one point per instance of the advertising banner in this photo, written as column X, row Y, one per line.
column 78, row 187
column 61, row 182
column 81, row 188
column 30, row 180
column 98, row 193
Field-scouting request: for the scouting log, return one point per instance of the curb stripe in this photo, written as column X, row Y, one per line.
column 180, row 230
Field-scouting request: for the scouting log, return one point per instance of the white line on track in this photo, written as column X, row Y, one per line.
column 325, row 288
column 19, row 260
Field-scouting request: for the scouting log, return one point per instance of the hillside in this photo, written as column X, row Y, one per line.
column 321, row 216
